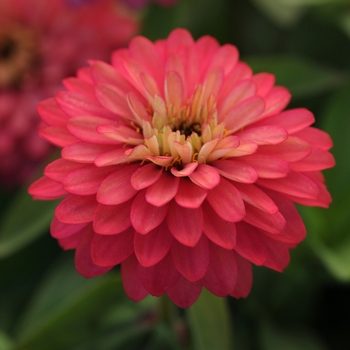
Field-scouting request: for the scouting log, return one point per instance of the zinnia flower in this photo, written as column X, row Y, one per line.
column 179, row 164
column 42, row 42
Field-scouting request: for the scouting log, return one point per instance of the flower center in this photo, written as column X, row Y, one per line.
column 18, row 55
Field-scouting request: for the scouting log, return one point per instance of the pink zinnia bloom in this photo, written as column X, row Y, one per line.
column 42, row 42
column 179, row 164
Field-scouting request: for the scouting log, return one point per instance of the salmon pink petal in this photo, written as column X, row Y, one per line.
column 84, row 152
column 111, row 250
column 272, row 223
column 191, row 262
column 244, row 278
column 185, row 293
column 60, row 168
column 257, row 198
column 46, row 189
column 85, row 129
column 112, row 219
column 85, row 181
column 51, row 113
column 187, row 170
column 264, row 83
column 293, row 120
column 60, row 230
column 185, row 224
column 249, row 244
column 294, row 230
column 276, row 253
column 83, row 260
column 113, row 157
column 316, row 138
column 219, row 231
column 189, row 195
column 276, row 100
column 235, row 171
column 226, row 201
column 267, row 166
column 317, row 160
column 267, row 134
column 75, row 209
column 116, row 188
column 130, row 279
column 205, row 176
column 70, row 242
column 159, row 278
column 144, row 216
column 221, row 275
column 162, row 191
column 152, row 247
column 294, row 184
column 146, row 176
column 58, row 136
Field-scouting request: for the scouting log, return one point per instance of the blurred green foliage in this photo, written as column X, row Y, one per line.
column 45, row 304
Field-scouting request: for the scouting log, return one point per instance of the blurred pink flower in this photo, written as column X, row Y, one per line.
column 138, row 4
column 179, row 164
column 41, row 42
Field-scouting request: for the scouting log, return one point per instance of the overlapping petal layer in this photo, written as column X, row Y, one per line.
column 179, row 164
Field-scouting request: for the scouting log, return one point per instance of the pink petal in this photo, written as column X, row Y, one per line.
column 317, row 160
column 87, row 180
column 85, row 129
column 221, row 276
column 111, row 250
column 152, row 247
column 191, row 262
column 267, row 166
column 235, row 171
column 226, row 201
column 116, row 188
column 113, row 157
column 205, row 176
column 244, row 278
column 173, row 90
column 84, row 152
column 294, row 231
column 159, row 278
column 219, row 231
column 60, row 168
column 112, row 219
column 131, row 281
column 60, row 230
column 79, row 86
column 83, row 261
column 51, row 113
column 262, row 135
column 162, row 191
column 249, row 244
column 187, row 170
column 244, row 113
column 58, row 136
column 144, row 216
column 257, row 198
column 185, row 224
column 46, row 189
column 264, row 83
column 146, row 176
column 185, row 293
column 189, row 195
column 291, row 150
column 226, row 57
column 294, row 184
column 276, row 100
column 316, row 138
column 272, row 223
column 76, row 209
column 276, row 253
column 70, row 242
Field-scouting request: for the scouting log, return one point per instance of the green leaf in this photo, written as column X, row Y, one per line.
column 210, row 323
column 5, row 341
column 64, row 311
column 303, row 77
column 24, row 221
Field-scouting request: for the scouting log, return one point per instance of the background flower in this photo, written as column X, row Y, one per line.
column 179, row 164
column 41, row 43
